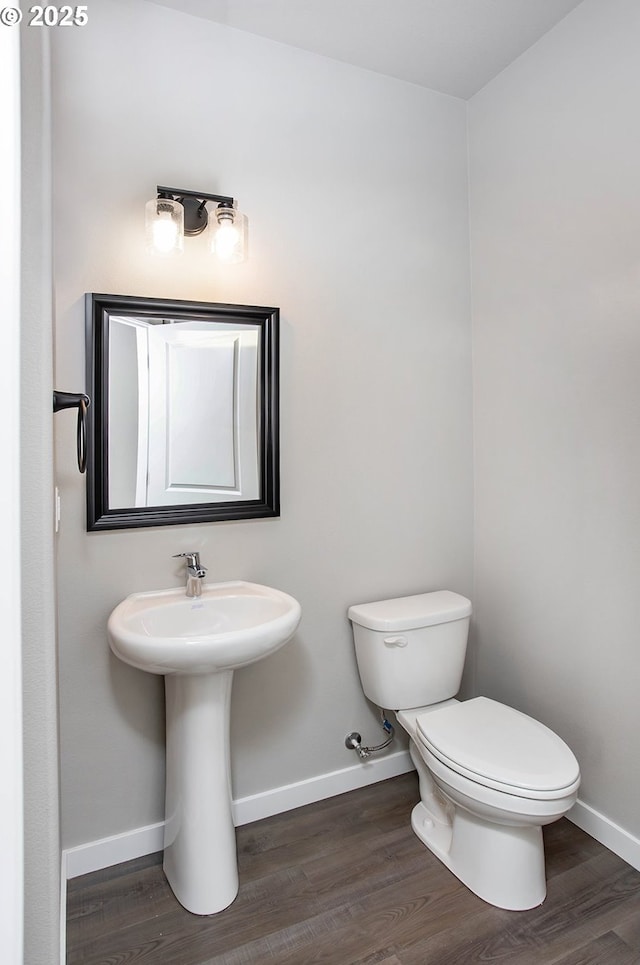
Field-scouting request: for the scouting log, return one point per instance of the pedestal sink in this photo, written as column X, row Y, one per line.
column 197, row 643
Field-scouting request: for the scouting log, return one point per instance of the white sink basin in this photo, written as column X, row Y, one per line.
column 229, row 626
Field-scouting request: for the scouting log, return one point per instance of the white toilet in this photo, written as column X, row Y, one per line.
column 490, row 777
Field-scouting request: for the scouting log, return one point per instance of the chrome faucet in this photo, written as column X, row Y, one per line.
column 195, row 572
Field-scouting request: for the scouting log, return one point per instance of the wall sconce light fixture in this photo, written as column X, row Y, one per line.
column 175, row 213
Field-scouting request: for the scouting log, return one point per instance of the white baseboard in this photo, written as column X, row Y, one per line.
column 611, row 835
column 63, row 910
column 140, row 841
column 105, row 852
column 280, row 799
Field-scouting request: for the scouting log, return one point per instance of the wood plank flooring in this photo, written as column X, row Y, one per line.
column 346, row 882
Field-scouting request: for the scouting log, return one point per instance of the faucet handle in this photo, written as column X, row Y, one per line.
column 193, row 559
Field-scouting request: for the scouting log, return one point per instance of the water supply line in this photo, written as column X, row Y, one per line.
column 353, row 741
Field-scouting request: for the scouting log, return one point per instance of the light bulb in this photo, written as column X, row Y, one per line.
column 165, row 232
column 228, row 235
column 164, row 226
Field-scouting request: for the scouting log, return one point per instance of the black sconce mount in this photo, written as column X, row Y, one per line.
column 196, row 216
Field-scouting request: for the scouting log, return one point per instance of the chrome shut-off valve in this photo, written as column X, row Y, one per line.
column 353, row 741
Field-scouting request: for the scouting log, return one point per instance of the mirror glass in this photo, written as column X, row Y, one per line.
column 184, row 414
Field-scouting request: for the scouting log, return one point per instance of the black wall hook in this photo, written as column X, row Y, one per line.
column 81, row 402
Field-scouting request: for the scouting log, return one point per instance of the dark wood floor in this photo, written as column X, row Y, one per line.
column 346, row 882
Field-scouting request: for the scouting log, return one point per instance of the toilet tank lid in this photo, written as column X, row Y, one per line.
column 411, row 612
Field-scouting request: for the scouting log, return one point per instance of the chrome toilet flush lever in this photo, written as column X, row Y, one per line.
column 195, row 572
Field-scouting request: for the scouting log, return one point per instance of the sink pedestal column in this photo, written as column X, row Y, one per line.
column 200, row 859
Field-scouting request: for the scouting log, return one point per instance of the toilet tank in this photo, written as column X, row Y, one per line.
column 410, row 651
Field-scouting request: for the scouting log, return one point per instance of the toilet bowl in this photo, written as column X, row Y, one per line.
column 490, row 776
column 497, row 776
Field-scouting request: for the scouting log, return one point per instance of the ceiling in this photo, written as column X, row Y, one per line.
column 452, row 46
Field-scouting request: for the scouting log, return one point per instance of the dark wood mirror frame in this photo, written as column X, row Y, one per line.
column 98, row 310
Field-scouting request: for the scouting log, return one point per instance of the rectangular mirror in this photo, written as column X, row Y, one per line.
column 183, row 421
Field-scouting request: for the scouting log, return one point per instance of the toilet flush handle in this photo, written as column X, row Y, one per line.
column 395, row 641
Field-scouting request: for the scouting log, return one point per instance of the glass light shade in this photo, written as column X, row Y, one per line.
column 164, row 221
column 228, row 235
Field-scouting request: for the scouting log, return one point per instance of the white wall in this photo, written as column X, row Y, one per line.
column 40, row 689
column 375, row 362
column 11, row 799
column 555, row 228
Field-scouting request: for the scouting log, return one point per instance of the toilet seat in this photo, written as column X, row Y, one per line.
column 498, row 747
